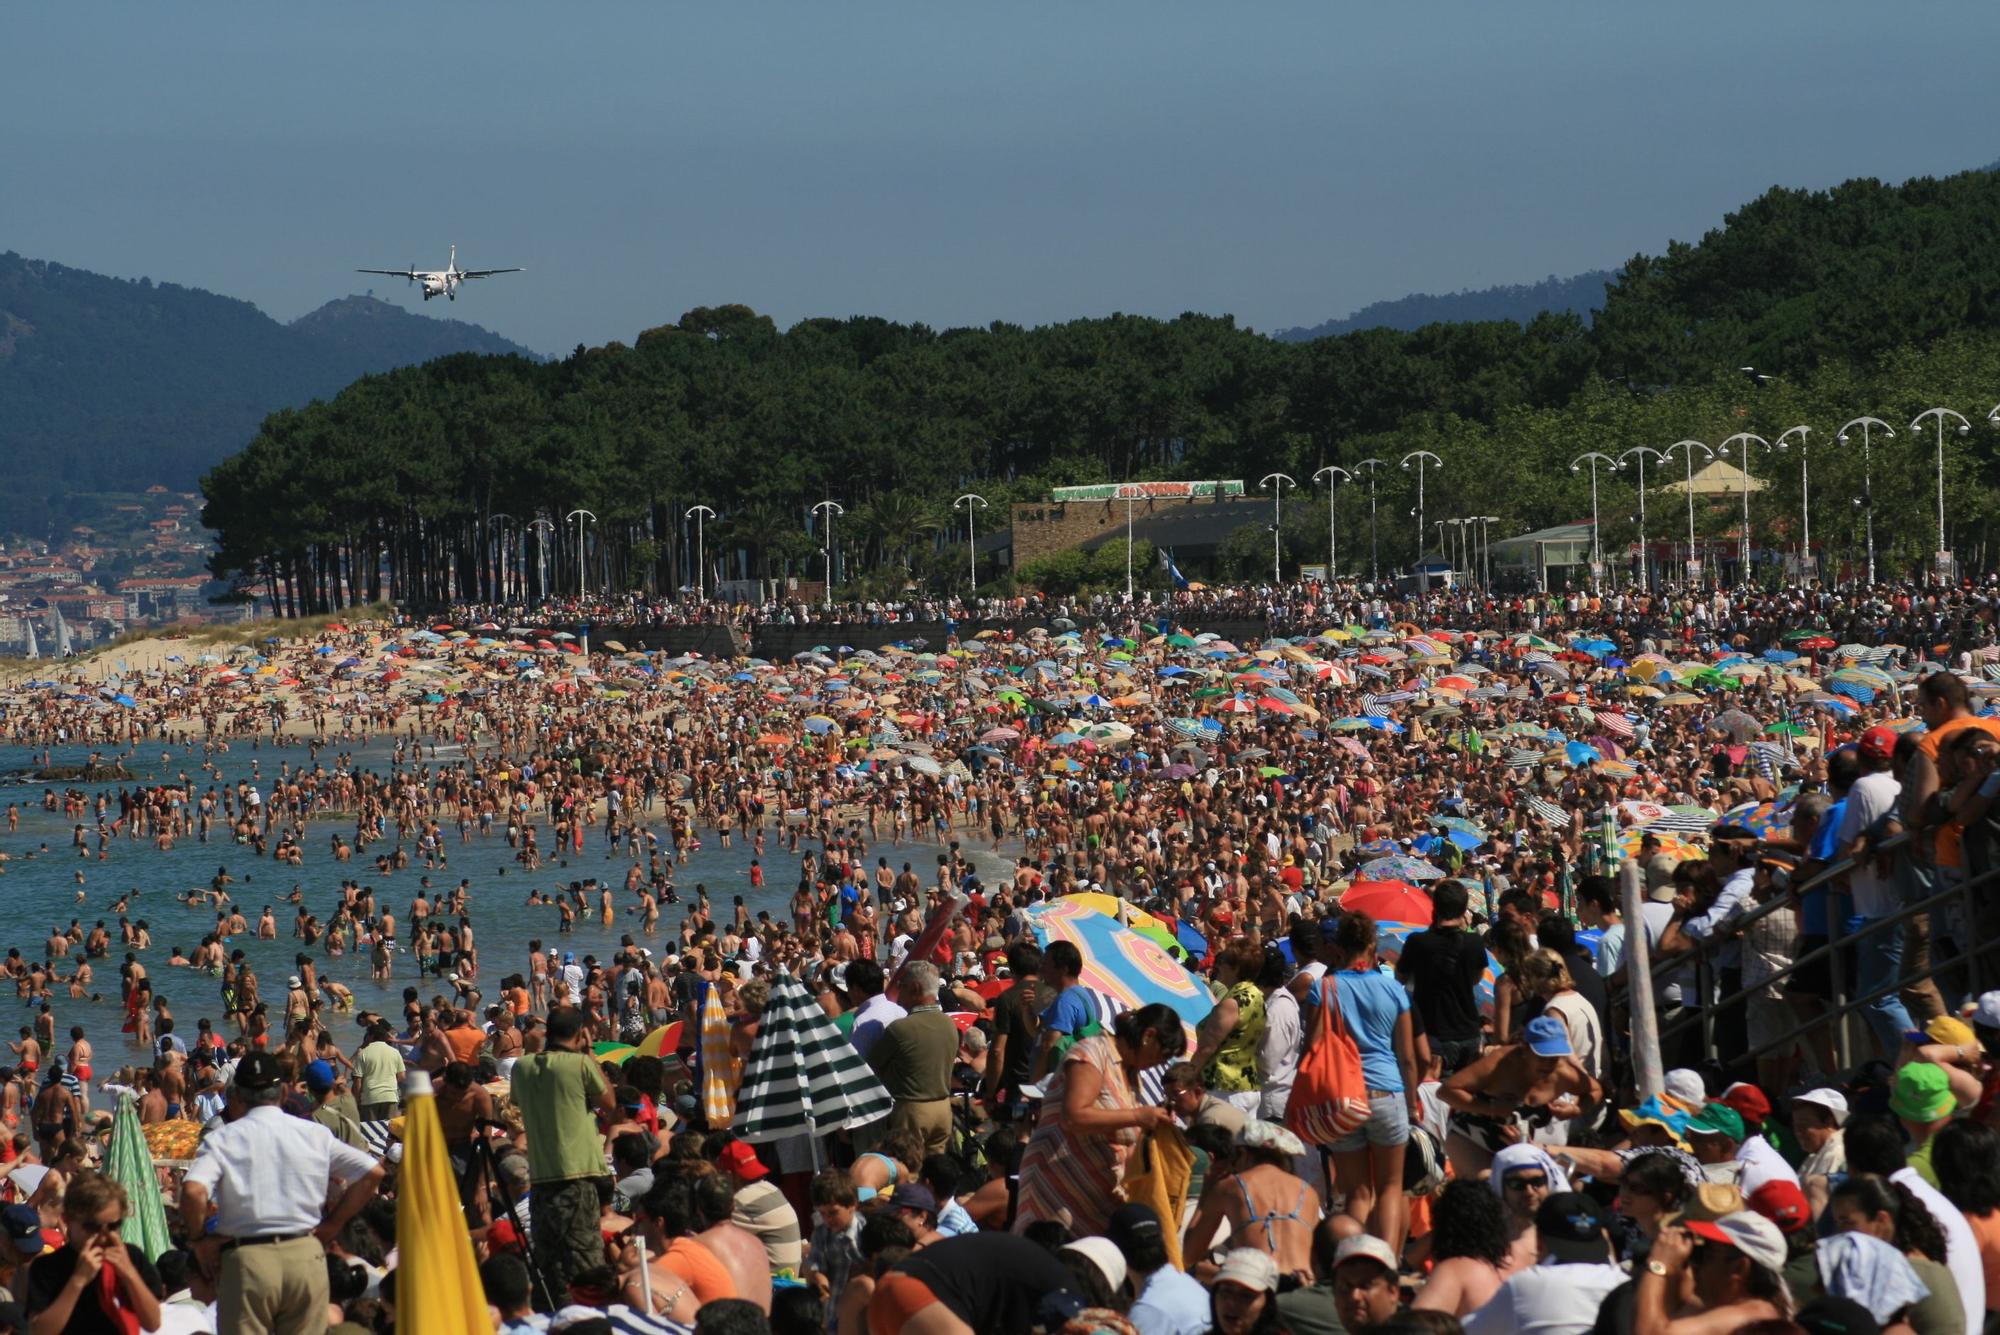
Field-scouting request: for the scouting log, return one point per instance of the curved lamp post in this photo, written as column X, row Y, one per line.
column 1332, row 474
column 1422, row 457
column 1687, row 449
column 1277, row 483
column 1867, row 424
column 698, row 513
column 973, row 503
column 1639, row 453
column 1596, row 552
column 1964, row 429
column 1743, row 440
column 829, row 509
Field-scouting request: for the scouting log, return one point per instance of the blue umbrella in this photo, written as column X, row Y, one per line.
column 125, row 700
column 1579, row 753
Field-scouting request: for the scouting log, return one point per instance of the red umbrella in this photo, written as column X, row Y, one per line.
column 1388, row 901
column 1817, row 642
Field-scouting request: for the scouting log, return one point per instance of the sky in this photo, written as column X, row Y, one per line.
column 947, row 163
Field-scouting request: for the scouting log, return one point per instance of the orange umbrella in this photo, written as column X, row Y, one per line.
column 774, row 739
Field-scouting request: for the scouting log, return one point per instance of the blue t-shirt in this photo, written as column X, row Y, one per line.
column 1825, row 848
column 1369, row 1003
column 1070, row 1013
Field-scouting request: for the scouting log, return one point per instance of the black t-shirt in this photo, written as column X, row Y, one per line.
column 990, row 1281
column 1443, row 967
column 47, row 1275
column 1013, row 1021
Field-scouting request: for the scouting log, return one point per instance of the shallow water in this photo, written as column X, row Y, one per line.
column 38, row 892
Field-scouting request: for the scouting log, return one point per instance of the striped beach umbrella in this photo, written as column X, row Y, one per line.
column 718, row 1062
column 130, row 1164
column 803, row 1077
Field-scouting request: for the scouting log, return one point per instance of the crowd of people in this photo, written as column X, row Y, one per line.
column 1450, row 807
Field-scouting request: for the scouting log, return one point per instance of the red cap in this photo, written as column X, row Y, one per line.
column 742, row 1160
column 1878, row 743
column 501, row 1236
column 1748, row 1100
column 1781, row 1202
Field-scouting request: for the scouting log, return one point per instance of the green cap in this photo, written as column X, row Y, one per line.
column 1923, row 1093
column 1717, row 1119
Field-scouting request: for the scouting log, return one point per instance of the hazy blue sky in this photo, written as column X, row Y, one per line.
column 944, row 162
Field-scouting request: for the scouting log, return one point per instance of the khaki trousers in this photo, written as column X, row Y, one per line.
column 931, row 1120
column 273, row 1288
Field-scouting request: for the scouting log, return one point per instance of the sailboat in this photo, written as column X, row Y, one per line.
column 63, row 647
column 34, row 650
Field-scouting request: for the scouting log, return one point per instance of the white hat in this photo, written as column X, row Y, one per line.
column 1252, row 1269
column 1104, row 1254
column 1686, row 1086
column 1365, row 1245
column 1830, row 1099
column 1987, row 1011
column 293, row 981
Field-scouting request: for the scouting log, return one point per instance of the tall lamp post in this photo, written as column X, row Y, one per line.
column 1805, row 499
column 1867, row 424
column 1422, row 457
column 974, row 502
column 1687, row 449
column 1942, row 559
column 1277, row 483
column 1332, row 474
column 1743, row 440
column 1374, row 548
column 1639, row 453
column 1596, row 550
column 579, row 515
column 698, row 513
column 1486, row 523
column 504, row 519
column 542, row 529
column 829, row 509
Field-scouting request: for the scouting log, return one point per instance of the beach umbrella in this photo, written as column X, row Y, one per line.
column 1736, row 725
column 802, row 1076
column 438, row 1291
column 615, row 1053
column 1400, row 868
column 1395, row 901
column 130, row 1164
column 1549, row 812
column 1580, row 753
column 1674, row 846
column 718, row 1062
column 1119, row 963
column 1379, row 848
column 1160, row 932
column 1763, row 819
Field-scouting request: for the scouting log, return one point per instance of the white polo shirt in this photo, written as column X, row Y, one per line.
column 269, row 1172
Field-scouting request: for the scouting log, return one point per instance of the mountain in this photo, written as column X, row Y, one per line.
column 115, row 384
column 1583, row 294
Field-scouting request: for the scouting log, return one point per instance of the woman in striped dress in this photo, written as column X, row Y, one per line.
column 1074, row 1166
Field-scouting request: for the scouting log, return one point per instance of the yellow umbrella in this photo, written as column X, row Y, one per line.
column 718, row 1060
column 437, row 1287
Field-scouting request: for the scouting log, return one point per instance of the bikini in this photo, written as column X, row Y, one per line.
column 1270, row 1234
column 870, row 1193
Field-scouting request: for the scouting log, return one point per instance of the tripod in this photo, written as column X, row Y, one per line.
column 482, row 1167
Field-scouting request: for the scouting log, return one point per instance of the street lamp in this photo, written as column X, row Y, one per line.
column 1462, row 535
column 1743, row 440
column 1277, row 483
column 1805, row 496
column 1422, row 457
column 1486, row 523
column 1688, row 447
column 502, row 515
column 1374, row 549
column 830, row 509
column 973, row 501
column 579, row 515
column 1596, row 551
column 698, row 513
column 1332, row 474
column 1964, row 429
column 542, row 528
column 1867, row 481
column 1639, row 452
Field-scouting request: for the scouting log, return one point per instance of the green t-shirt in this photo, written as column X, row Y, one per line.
column 378, row 1071
column 557, row 1093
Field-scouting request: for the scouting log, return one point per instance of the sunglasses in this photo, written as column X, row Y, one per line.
column 1527, row 1183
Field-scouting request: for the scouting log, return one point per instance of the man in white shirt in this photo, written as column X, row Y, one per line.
column 1169, row 1302
column 268, row 1175
column 877, row 1012
column 1561, row 1293
column 1878, row 956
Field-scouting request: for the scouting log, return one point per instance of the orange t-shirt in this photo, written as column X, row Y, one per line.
column 465, row 1043
column 1951, row 835
column 696, row 1264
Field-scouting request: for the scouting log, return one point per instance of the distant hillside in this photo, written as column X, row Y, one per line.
column 113, row 384
column 1583, row 294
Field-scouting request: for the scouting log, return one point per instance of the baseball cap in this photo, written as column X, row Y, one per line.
column 1749, row 1101
column 1986, row 1011
column 1546, row 1037
column 1922, row 1093
column 1749, row 1233
column 1132, row 1222
column 1256, row 1270
column 319, row 1076
column 918, row 1197
column 502, row 1236
column 1878, row 743
column 1717, row 1119
column 257, row 1070
column 742, row 1160
column 1781, row 1202
column 1572, row 1229
column 1100, row 1252
column 24, row 1229
column 1363, row 1245
column 1828, row 1098
column 1950, row 1029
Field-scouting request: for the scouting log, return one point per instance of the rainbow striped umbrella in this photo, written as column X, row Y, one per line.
column 1122, row 964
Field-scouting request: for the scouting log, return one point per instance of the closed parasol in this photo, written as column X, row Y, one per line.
column 802, row 1075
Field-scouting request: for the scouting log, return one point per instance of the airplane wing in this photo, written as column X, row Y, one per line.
column 486, row 273
column 396, row 273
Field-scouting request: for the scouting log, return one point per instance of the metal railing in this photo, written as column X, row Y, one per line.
column 1841, row 1011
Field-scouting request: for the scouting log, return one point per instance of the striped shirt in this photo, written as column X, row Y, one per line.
column 763, row 1209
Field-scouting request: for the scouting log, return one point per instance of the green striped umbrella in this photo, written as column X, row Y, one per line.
column 802, row 1075
column 130, row 1164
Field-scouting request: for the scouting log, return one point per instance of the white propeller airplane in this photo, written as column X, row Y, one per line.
column 440, row 282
